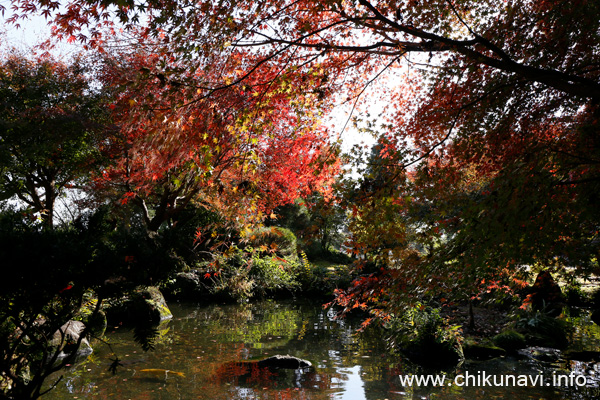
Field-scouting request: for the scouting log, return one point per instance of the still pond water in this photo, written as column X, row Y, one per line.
column 203, row 342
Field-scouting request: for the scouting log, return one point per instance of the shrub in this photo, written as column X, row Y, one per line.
column 541, row 329
column 427, row 338
column 280, row 241
column 242, row 274
column 274, row 273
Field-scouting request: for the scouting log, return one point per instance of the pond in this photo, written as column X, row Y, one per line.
column 202, row 346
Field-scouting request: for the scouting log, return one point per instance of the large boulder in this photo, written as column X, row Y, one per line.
column 68, row 336
column 149, row 305
column 146, row 306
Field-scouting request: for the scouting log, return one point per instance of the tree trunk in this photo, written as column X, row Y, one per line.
column 471, row 316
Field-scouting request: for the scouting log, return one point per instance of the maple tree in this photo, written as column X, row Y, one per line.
column 240, row 151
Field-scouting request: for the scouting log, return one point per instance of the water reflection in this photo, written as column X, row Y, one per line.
column 211, row 351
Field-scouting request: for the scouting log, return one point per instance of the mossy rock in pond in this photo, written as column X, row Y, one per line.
column 150, row 304
column 187, row 285
column 510, row 340
column 146, row 305
column 541, row 329
column 474, row 350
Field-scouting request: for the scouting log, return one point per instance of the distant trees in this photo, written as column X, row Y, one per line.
column 52, row 122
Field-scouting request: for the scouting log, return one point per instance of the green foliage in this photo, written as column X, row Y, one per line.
column 230, row 276
column 243, row 274
column 426, row 325
column 40, row 292
column 322, row 278
column 180, row 234
column 319, row 225
column 52, row 124
column 280, row 241
column 541, row 329
column 575, row 296
column 273, row 273
column 426, row 337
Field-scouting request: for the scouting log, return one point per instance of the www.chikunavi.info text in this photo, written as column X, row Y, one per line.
column 481, row 379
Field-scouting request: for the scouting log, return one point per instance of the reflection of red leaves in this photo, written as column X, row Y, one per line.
column 248, row 372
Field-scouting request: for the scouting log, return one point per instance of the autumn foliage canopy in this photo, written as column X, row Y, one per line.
column 488, row 149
